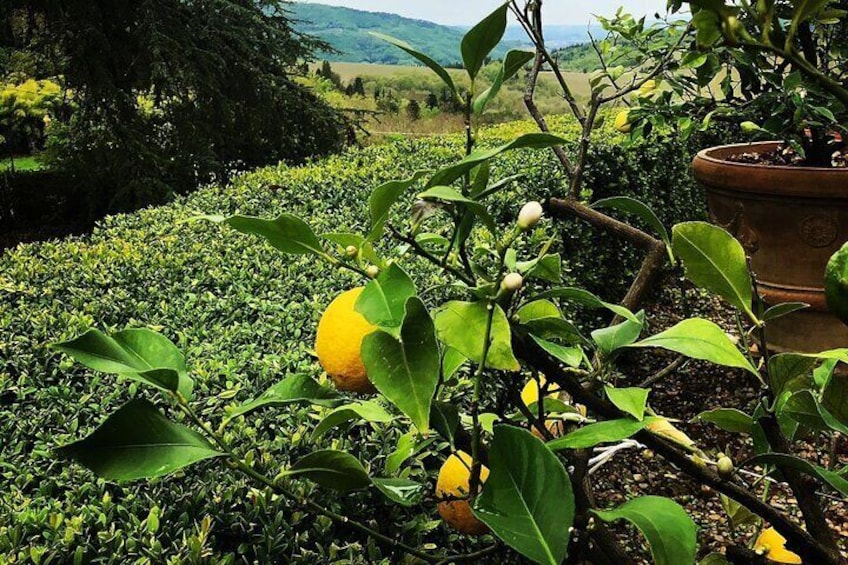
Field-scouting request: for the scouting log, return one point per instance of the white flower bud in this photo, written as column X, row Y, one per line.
column 351, row 251
column 530, row 215
column 512, row 282
column 372, row 271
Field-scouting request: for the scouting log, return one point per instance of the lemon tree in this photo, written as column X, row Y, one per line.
column 465, row 368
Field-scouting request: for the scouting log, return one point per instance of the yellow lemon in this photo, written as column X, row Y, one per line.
column 530, row 392
column 647, row 88
column 773, row 546
column 453, row 482
column 339, row 340
column 622, row 121
column 664, row 428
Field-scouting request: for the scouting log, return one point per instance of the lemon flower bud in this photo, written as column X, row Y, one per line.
column 372, row 271
column 351, row 251
column 725, row 467
column 530, row 215
column 512, row 282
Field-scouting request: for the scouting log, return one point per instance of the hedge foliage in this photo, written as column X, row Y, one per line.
column 244, row 315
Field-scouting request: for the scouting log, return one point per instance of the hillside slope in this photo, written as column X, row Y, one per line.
column 348, row 31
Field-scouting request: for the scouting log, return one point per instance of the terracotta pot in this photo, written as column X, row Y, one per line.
column 790, row 220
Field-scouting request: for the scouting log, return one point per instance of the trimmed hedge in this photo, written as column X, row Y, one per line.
column 244, row 315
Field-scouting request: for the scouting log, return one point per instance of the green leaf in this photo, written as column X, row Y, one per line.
column 404, row 450
column 138, row 354
column 609, row 431
column 789, row 371
column 383, row 198
column 714, row 261
column 512, row 63
column 286, row 232
column 448, row 194
column 670, row 532
column 803, row 407
column 367, row 410
column 631, row 400
column 429, row 62
column 332, row 469
column 444, row 417
column 452, row 360
column 536, row 310
column 406, row 371
column 630, row 205
column 479, row 41
column 401, row 491
column 728, row 419
column 527, row 499
column 835, row 396
column 292, row 389
column 588, row 299
column 446, row 176
column 700, row 339
column 781, row 460
column 780, row 310
column 613, row 338
column 383, row 300
column 738, row 514
column 462, row 326
column 345, row 240
column 570, row 356
column 138, row 442
column 547, row 268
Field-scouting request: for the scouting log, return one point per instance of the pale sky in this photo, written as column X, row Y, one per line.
column 466, row 12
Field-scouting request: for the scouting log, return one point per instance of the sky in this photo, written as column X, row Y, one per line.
column 466, row 12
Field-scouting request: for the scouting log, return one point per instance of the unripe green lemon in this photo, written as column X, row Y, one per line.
column 836, row 284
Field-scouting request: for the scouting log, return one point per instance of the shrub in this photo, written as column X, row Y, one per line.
column 241, row 312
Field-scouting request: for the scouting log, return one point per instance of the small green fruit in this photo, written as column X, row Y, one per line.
column 836, row 284
column 725, row 467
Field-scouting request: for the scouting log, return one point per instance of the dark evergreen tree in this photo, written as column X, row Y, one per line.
column 413, row 110
column 169, row 94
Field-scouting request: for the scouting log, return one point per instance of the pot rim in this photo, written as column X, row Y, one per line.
column 718, row 175
column 707, row 155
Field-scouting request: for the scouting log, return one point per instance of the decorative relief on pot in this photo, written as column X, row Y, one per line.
column 818, row 230
column 739, row 228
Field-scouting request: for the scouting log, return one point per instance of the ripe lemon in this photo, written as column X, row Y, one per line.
column 647, row 89
column 453, row 481
column 622, row 121
column 773, row 546
column 339, row 340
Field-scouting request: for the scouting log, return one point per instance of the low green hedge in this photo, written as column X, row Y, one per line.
column 244, row 315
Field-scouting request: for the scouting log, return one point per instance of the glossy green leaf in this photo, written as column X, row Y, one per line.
column 630, row 400
column 447, row 175
column 462, row 326
column 803, row 407
column 715, row 261
column 546, row 268
column 728, row 419
column 637, row 208
column 138, row 442
column 331, row 469
column 835, row 480
column 448, row 194
column 700, row 339
column 570, row 356
column 481, row 39
column 784, row 309
column 366, row 410
column 138, row 354
column 286, row 232
column 404, row 450
column 738, row 514
column 612, row 338
column 444, row 417
column 406, row 371
column 586, row 298
column 591, row 435
column 512, row 63
column 527, row 500
column 292, row 389
column 790, row 371
column 401, row 491
column 383, row 300
column 452, row 360
column 383, row 198
column 835, row 396
column 428, row 61
column 669, row 530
